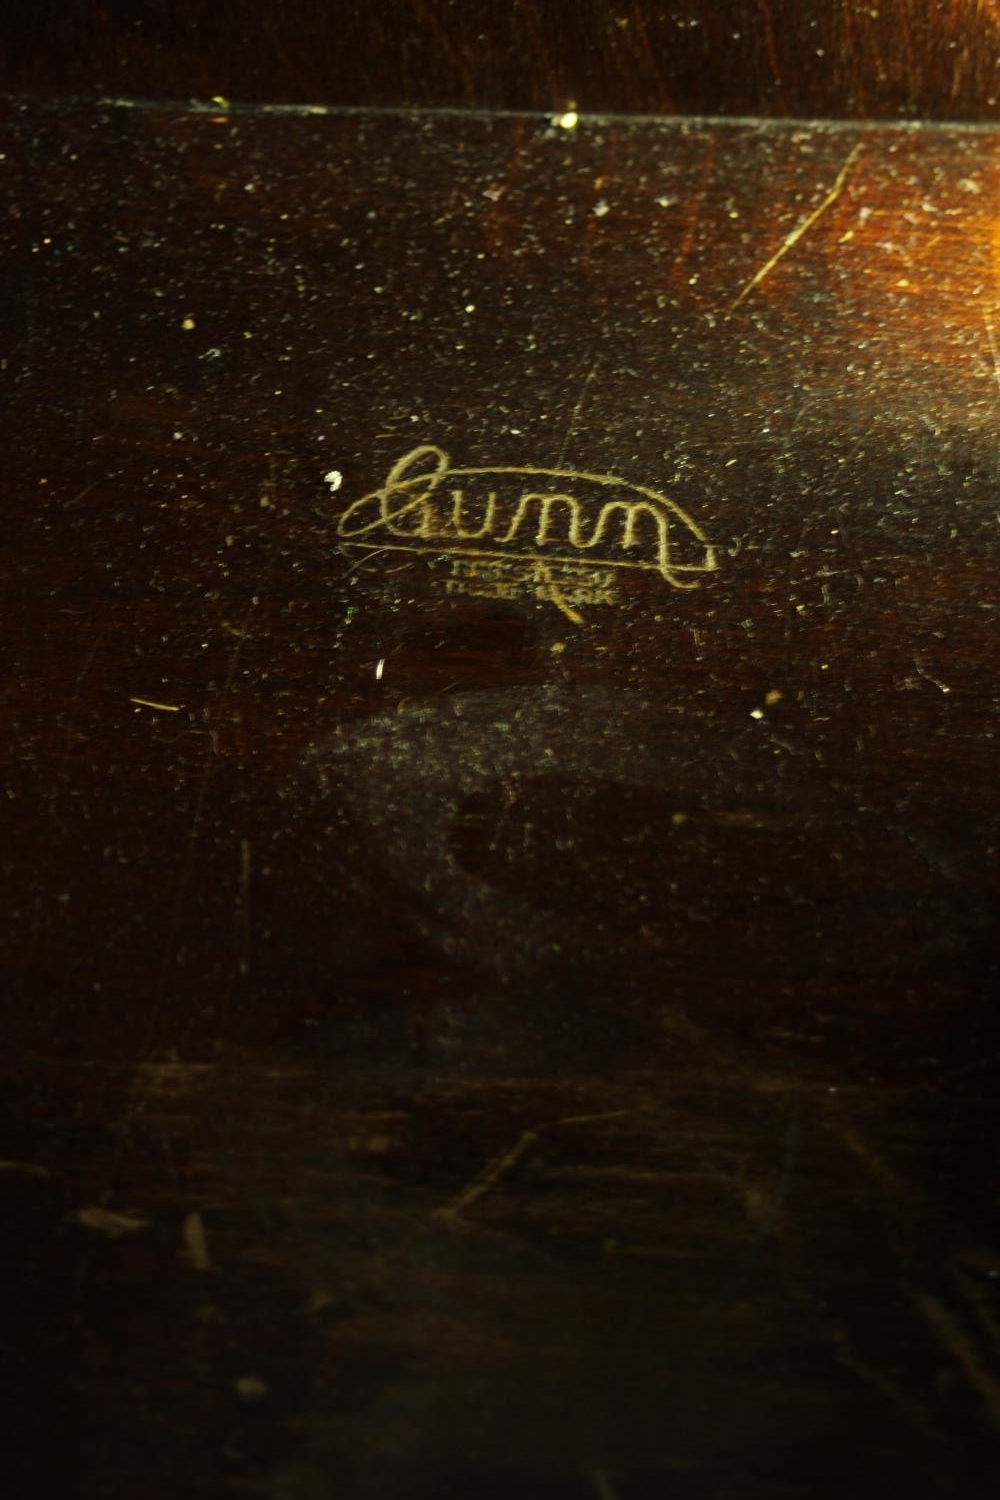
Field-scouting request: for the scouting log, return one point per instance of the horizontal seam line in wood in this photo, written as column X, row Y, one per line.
column 275, row 110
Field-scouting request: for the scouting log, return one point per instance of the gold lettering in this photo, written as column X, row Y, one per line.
column 630, row 524
column 458, row 527
column 378, row 510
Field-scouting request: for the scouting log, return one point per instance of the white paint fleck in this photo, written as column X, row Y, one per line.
column 601, row 207
column 334, row 479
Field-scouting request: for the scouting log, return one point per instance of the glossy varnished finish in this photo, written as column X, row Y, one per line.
column 912, row 59
column 508, row 1025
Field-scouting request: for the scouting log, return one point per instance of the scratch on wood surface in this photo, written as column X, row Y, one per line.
column 963, row 1072
column 167, row 708
column 194, row 1246
column 500, row 1165
column 974, row 1297
column 80, row 676
column 766, row 1214
column 871, row 1161
column 74, row 706
column 929, row 677
column 489, row 1176
column 769, row 41
column 187, row 868
column 243, row 907
column 803, row 227
column 114, row 1225
column 598, row 1119
column 695, row 206
column 982, row 1259
column 960, row 1346
column 872, row 1377
column 991, row 339
column 182, row 885
column 578, row 408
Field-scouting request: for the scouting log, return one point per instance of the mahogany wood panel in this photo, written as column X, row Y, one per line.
column 482, row 1016
column 918, row 59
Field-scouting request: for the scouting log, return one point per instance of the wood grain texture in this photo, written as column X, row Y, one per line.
column 806, row 58
column 484, row 1027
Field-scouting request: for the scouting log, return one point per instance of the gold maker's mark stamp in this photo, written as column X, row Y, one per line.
column 563, row 535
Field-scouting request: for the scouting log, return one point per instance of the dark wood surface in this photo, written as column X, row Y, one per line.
column 499, row 1026
column 912, row 59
